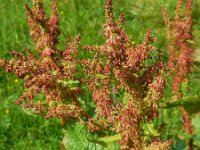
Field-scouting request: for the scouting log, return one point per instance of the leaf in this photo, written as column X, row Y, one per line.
column 54, row 73
column 150, row 130
column 73, row 138
column 76, row 138
column 100, row 76
column 196, row 123
column 110, row 139
column 190, row 103
column 184, row 87
column 191, row 41
column 70, row 82
column 29, row 112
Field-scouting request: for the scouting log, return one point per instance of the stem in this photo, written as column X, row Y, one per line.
column 63, row 143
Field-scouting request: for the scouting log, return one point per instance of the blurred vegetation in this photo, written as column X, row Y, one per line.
column 18, row 130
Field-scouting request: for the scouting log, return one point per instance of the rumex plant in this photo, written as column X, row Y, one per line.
column 126, row 82
column 181, row 53
column 125, row 86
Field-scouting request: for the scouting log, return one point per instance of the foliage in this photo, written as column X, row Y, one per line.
column 190, row 104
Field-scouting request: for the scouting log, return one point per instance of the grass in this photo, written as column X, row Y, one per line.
column 19, row 130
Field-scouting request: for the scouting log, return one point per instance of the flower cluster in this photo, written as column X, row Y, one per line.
column 126, row 87
column 181, row 53
column 47, row 74
column 180, row 39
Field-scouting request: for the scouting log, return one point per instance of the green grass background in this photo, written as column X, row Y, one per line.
column 19, row 131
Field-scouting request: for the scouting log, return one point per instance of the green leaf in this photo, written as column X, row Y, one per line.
column 190, row 103
column 70, row 82
column 54, row 73
column 100, row 76
column 196, row 123
column 29, row 112
column 110, row 139
column 184, row 87
column 191, row 41
column 149, row 129
column 77, row 137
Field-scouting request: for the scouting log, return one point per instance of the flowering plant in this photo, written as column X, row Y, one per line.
column 181, row 55
column 125, row 86
column 126, row 82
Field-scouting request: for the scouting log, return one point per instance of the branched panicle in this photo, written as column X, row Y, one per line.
column 44, row 31
column 180, row 39
column 47, row 75
column 117, row 65
column 108, row 10
column 53, row 21
column 181, row 53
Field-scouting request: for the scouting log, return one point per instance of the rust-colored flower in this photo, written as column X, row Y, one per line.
column 118, row 66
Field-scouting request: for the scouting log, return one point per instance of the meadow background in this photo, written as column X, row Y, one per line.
column 21, row 131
